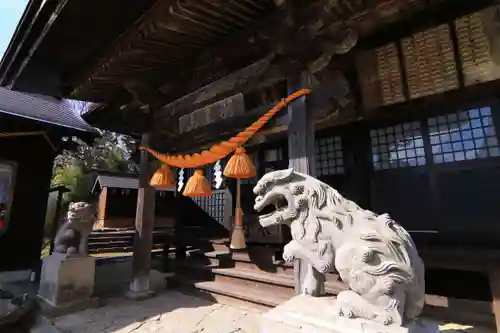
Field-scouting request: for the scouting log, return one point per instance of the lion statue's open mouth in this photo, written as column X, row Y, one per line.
column 271, row 205
column 276, row 203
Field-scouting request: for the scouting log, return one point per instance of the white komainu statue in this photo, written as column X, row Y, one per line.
column 72, row 237
column 373, row 255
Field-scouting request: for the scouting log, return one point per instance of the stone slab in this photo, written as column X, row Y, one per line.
column 52, row 310
column 306, row 314
column 67, row 283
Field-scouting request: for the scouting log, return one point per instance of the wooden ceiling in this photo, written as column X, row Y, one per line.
column 159, row 44
column 179, row 42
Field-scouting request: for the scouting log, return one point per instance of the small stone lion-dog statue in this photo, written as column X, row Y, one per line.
column 373, row 255
column 72, row 237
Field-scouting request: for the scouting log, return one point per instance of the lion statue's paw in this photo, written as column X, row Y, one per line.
column 384, row 318
column 290, row 251
column 345, row 311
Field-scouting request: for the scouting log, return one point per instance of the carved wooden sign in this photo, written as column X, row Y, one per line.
column 213, row 113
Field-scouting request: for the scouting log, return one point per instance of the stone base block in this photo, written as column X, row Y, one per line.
column 67, row 283
column 139, row 295
column 306, row 314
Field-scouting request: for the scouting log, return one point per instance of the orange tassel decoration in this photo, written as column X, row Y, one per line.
column 198, row 185
column 163, row 178
column 240, row 165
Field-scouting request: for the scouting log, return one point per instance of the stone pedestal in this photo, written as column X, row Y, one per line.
column 67, row 283
column 306, row 314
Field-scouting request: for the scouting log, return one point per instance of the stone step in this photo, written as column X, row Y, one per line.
column 256, row 297
column 216, row 258
column 243, row 261
column 257, row 281
column 269, row 281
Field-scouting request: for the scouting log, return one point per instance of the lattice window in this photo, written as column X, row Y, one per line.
column 212, row 205
column 466, row 135
column 329, row 156
column 397, row 146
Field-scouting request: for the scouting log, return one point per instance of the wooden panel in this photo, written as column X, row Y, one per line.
column 379, row 74
column 213, row 113
column 103, row 197
column 475, row 49
column 389, row 70
column 430, row 62
column 368, row 80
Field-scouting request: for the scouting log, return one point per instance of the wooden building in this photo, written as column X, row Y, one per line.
column 32, row 129
column 117, row 197
column 403, row 118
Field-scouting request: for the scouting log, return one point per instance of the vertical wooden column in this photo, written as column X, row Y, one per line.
column 144, row 223
column 494, row 277
column 302, row 159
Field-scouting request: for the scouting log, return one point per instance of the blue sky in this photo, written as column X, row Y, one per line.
column 10, row 13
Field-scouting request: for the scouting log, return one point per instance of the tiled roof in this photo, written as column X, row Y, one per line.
column 42, row 108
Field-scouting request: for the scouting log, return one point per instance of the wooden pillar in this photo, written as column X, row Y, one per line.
column 301, row 159
column 144, row 224
column 494, row 277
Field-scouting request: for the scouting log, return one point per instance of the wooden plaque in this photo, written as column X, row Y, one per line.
column 213, row 113
column 379, row 74
column 475, row 48
column 430, row 62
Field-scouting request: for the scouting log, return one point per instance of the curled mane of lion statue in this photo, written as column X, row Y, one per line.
column 373, row 255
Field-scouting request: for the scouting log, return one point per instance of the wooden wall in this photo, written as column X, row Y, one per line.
column 117, row 208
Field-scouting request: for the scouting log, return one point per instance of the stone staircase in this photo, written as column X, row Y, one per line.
column 253, row 277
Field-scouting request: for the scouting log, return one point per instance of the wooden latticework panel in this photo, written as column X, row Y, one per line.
column 430, row 62
column 379, row 73
column 389, row 71
column 474, row 48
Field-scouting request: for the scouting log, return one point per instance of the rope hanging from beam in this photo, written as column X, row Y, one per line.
column 221, row 150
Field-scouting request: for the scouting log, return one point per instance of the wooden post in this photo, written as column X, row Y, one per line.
column 144, row 223
column 301, row 159
column 494, row 277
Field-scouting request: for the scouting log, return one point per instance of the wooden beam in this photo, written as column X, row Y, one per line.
column 301, row 158
column 259, row 39
column 140, row 286
column 214, row 132
column 434, row 15
column 34, row 46
column 212, row 114
column 233, row 82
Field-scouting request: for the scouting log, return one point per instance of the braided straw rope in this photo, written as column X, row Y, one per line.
column 223, row 149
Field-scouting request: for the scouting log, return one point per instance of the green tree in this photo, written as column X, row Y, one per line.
column 73, row 169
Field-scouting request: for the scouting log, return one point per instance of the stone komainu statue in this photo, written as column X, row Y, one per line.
column 72, row 237
column 373, row 255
